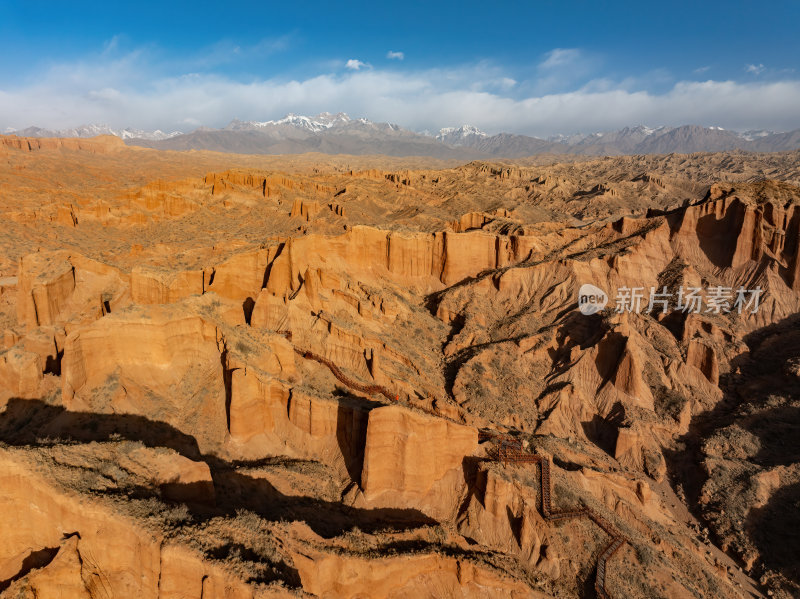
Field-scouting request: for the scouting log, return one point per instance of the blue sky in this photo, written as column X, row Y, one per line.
column 535, row 68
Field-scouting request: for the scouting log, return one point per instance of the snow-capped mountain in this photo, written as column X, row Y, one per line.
column 295, row 124
column 460, row 136
column 94, row 130
column 640, row 139
column 568, row 139
column 326, row 132
column 316, row 124
column 753, row 135
column 340, row 134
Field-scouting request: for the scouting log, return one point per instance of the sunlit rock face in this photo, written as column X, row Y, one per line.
column 238, row 376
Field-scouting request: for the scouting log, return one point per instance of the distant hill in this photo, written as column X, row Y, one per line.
column 326, row 133
column 94, row 131
column 339, row 134
column 636, row 140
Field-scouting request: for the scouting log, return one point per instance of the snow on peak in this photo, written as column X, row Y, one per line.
column 315, row 124
column 456, row 136
column 156, row 135
column 647, row 131
column 463, row 130
column 97, row 129
column 568, row 139
column 753, row 135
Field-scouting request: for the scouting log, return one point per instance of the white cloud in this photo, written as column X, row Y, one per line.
column 560, row 57
column 107, row 94
column 756, row 69
column 355, row 65
column 111, row 45
column 392, row 55
column 128, row 92
column 563, row 69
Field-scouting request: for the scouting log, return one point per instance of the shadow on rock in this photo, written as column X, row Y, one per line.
column 33, row 423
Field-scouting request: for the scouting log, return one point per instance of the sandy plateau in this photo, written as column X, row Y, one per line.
column 231, row 376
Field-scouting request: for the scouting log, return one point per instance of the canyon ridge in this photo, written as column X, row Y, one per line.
column 253, row 376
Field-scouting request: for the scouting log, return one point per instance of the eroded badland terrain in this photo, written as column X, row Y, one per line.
column 306, row 376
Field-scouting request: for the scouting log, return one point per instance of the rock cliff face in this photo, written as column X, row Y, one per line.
column 366, row 380
column 57, row 287
column 412, row 459
column 128, row 363
column 447, row 257
column 152, row 286
column 97, row 145
column 20, row 374
column 84, row 550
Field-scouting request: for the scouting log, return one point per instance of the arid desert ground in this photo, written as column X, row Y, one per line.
column 231, row 376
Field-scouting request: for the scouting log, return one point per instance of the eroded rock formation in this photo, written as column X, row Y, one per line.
column 257, row 382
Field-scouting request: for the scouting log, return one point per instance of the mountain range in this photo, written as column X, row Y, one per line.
column 339, row 134
column 94, row 131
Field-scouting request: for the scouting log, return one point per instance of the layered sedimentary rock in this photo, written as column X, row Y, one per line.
column 406, row 577
column 150, row 286
column 267, row 417
column 243, row 275
column 448, row 257
column 96, row 145
column 96, row 553
column 152, row 362
column 731, row 232
column 56, row 287
column 413, row 459
column 525, row 533
column 261, row 383
column 46, row 284
column 20, row 374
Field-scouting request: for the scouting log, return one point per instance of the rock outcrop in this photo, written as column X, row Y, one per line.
column 94, row 552
column 155, row 363
column 413, row 459
column 247, row 377
column 59, row 287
